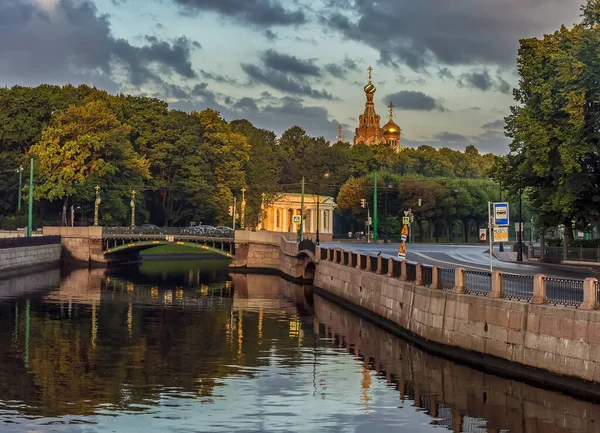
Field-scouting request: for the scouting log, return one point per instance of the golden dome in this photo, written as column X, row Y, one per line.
column 391, row 128
column 370, row 88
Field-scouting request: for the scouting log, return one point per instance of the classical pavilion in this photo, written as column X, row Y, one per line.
column 369, row 131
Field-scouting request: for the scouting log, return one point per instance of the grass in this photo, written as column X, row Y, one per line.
column 174, row 249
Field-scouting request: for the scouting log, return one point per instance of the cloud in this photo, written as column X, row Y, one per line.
column 488, row 142
column 415, row 101
column 449, row 137
column 291, row 64
column 283, row 82
column 219, row 78
column 458, row 32
column 342, row 69
column 481, row 79
column 495, row 125
column 445, row 74
column 270, row 35
column 68, row 41
column 255, row 12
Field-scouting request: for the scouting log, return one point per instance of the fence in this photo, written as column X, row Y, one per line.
column 411, row 272
column 478, row 283
column 560, row 291
column 36, row 241
column 427, row 275
column 557, row 291
column 447, row 278
column 518, row 287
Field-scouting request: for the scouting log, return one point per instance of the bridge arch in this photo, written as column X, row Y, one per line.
column 137, row 246
column 307, row 265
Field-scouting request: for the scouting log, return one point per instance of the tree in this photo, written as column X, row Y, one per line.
column 82, row 146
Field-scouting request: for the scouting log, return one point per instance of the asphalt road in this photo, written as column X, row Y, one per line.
column 470, row 257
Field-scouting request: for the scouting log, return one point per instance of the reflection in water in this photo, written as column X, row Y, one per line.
column 179, row 347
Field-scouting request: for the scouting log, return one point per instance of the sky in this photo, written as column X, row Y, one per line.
column 449, row 66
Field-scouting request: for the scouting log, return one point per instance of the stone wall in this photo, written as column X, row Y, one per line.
column 12, row 259
column 81, row 245
column 565, row 341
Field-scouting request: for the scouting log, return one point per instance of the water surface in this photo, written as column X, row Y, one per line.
column 184, row 347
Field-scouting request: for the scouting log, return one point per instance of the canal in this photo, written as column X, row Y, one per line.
column 187, row 347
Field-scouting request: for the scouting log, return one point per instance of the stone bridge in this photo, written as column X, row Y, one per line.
column 104, row 245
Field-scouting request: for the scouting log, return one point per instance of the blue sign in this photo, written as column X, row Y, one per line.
column 501, row 214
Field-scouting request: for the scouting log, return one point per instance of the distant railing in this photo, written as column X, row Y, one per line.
column 167, row 231
column 478, row 283
column 519, row 287
column 396, row 269
column 324, row 253
column 384, row 266
column 373, row 261
column 411, row 272
column 447, row 278
column 363, row 262
column 561, row 291
column 36, row 241
column 353, row 260
column 427, row 275
column 307, row 245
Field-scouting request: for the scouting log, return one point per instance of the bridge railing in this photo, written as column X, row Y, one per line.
column 35, row 241
column 538, row 289
column 164, row 231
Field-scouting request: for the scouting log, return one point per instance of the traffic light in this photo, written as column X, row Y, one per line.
column 363, row 203
column 419, row 202
column 230, row 210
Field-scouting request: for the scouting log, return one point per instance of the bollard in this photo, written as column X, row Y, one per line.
column 435, row 278
column 419, row 278
column 390, row 267
column 496, row 290
column 403, row 271
column 590, row 294
column 379, row 261
column 368, row 269
column 539, row 289
column 459, row 280
column 358, row 256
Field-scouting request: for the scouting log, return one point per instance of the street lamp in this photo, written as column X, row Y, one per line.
column 20, row 171
column 132, row 208
column 96, row 205
column 520, row 233
column 326, row 176
column 385, row 229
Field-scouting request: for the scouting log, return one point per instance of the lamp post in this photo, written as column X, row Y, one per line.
column 132, row 208
column 301, row 231
column 243, row 217
column 385, row 229
column 20, row 171
column 326, row 176
column 262, row 210
column 30, row 207
column 375, row 207
column 519, row 232
column 96, row 205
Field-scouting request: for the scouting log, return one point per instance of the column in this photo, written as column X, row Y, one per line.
column 284, row 220
column 312, row 220
column 331, row 221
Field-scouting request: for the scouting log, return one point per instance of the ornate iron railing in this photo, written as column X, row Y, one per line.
column 519, row 287
column 560, row 291
column 478, row 283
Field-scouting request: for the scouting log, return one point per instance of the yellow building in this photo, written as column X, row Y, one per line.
column 279, row 215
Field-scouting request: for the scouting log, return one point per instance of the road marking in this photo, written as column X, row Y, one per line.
column 451, row 263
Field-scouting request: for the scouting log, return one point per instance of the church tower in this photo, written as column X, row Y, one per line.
column 369, row 131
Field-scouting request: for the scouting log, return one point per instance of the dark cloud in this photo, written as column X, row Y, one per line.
column 445, row 74
column 283, row 82
column 270, row 35
column 416, row 101
column 457, row 32
column 450, row 137
column 72, row 43
column 488, row 142
column 481, row 79
column 290, row 64
column 495, row 125
column 342, row 69
column 255, row 12
column 219, row 78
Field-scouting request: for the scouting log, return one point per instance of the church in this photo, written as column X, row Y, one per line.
column 369, row 131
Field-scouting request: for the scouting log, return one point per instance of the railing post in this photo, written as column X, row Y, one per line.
column 358, row 260
column 435, row 278
column 459, row 280
column 318, row 253
column 390, row 267
column 368, row 268
column 403, row 275
column 379, row 263
column 419, row 277
column 496, row 290
column 590, row 294
column 539, row 289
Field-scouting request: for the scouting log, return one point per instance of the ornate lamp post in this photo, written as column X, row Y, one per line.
column 326, row 176
column 20, row 171
column 262, row 210
column 96, row 205
column 243, row 216
column 132, row 208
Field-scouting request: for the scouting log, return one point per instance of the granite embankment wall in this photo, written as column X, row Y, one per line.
column 26, row 257
column 269, row 251
column 81, row 245
column 560, row 340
